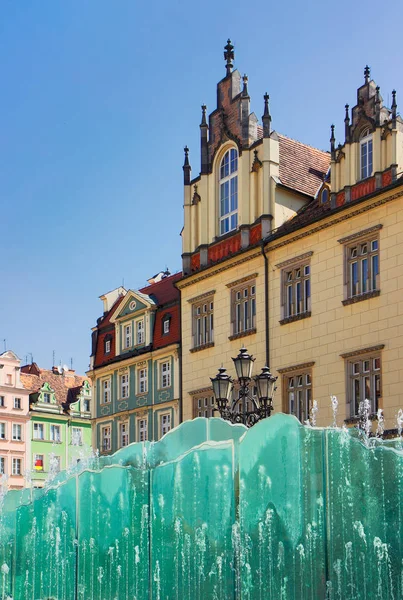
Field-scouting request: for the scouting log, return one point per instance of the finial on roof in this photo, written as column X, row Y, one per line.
column 377, row 106
column 245, row 86
column 394, row 109
column 203, row 121
column 347, row 123
column 367, row 73
column 266, row 117
column 332, row 141
column 186, row 167
column 229, row 56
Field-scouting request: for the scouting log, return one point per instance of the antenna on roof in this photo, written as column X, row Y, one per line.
column 54, row 359
column 123, row 282
column 71, row 363
column 5, row 345
column 32, row 357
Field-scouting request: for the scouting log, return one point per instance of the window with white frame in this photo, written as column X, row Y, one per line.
column 38, row 462
column 2, row 402
column 38, row 431
column 166, row 325
column 203, row 322
column 165, row 374
column 364, row 382
column 127, row 336
column 107, row 346
column 2, row 431
column 55, row 433
column 165, row 424
column 243, row 308
column 228, row 184
column 124, row 434
column 17, row 432
column 124, row 385
column 106, row 391
column 203, row 406
column 142, row 378
column 365, row 154
column 298, row 393
column 362, row 266
column 142, row 428
column 17, row 466
column 55, row 463
column 140, row 331
column 2, row 465
column 17, row 403
column 87, row 405
column 106, row 438
column 46, row 397
column 296, row 290
column 76, row 436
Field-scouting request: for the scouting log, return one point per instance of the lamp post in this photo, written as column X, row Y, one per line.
column 237, row 411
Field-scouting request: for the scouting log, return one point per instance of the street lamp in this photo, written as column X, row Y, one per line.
column 237, row 411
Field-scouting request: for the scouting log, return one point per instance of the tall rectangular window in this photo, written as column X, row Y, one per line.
column 38, row 462
column 76, row 436
column 364, row 382
column 298, row 393
column 2, row 402
column 243, row 308
column 124, row 434
column 165, row 374
column 165, row 424
column 203, row 323
column 46, row 397
column 2, row 431
column 362, row 264
column 55, row 433
column 17, row 466
column 17, row 432
column 142, row 425
column 38, row 431
column 106, row 438
column 142, row 380
column 2, row 465
column 127, row 330
column 124, row 385
column 106, row 391
column 203, row 406
column 17, row 403
column 366, row 155
column 140, row 331
column 296, row 290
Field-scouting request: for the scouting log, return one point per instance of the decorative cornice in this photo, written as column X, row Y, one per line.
column 242, row 280
column 362, row 351
column 361, row 297
column 333, row 221
column 299, row 317
column 300, row 367
column 359, row 234
column 201, row 296
column 200, row 391
column 202, row 347
column 295, row 259
column 242, row 334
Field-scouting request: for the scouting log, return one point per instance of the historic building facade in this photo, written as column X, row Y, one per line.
column 135, row 364
column 14, row 409
column 59, row 426
column 295, row 253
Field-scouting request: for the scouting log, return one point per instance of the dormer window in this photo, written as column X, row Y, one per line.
column 107, row 345
column 228, row 209
column 366, row 154
column 324, row 196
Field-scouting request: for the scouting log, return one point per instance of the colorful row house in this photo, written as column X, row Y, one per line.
column 59, row 426
column 135, row 364
column 297, row 254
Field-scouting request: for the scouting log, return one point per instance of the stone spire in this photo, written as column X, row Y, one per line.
column 347, row 123
column 266, row 119
column 332, row 142
column 229, row 56
column 394, row 109
column 204, row 142
column 186, row 167
column 367, row 74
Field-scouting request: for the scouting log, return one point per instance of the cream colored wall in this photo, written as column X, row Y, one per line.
column 198, row 367
column 333, row 328
column 286, row 206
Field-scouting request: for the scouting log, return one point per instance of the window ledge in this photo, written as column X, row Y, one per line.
column 303, row 315
column 242, row 334
column 361, row 297
column 202, row 347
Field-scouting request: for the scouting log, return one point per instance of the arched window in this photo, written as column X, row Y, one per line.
column 366, row 154
column 324, row 195
column 228, row 209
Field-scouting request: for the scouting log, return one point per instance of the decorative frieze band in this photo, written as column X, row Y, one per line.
column 201, row 297
column 363, row 351
column 242, row 280
column 204, row 390
column 359, row 234
column 300, row 367
column 295, row 259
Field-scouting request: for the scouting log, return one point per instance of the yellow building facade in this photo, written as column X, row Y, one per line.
column 295, row 253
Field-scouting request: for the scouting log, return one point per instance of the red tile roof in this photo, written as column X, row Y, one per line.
column 66, row 387
column 173, row 337
column 163, row 291
column 302, row 167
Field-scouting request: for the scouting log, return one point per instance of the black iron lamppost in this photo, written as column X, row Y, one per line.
column 236, row 410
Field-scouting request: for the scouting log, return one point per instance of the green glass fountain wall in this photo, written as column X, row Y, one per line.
column 212, row 511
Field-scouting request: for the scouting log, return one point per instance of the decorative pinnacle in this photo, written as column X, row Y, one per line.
column 229, row 56
column 394, row 104
column 347, row 117
column 367, row 73
column 245, row 85
column 203, row 121
column 266, row 117
column 266, row 104
column 186, row 151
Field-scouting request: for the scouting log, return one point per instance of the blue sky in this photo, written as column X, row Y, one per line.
column 98, row 100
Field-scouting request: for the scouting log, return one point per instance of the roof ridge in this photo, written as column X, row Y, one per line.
column 287, row 137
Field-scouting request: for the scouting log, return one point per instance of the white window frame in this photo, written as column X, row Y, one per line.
column 106, row 391
column 204, row 405
column 55, row 429
column 142, row 378
column 243, row 307
column 106, row 438
column 140, row 331
column 142, row 429
column 127, row 335
column 165, row 423
column 16, row 461
column 366, row 155
column 3, row 427
column 228, row 201
column 17, row 401
column 85, row 401
column 203, row 322
column 107, row 346
column 77, row 441
column 2, row 465
column 36, row 428
column 36, row 457
column 124, row 385
column 165, row 374
column 46, row 395
column 16, row 427
column 124, row 434
column 166, row 325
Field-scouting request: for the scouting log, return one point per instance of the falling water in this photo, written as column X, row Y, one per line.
column 335, row 406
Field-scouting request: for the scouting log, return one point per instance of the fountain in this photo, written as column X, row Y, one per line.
column 214, row 511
